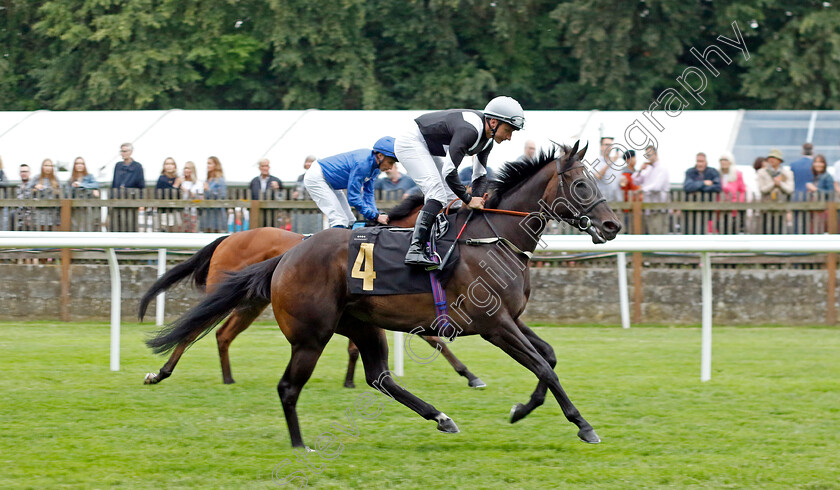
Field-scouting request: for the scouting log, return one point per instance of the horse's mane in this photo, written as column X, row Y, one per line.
column 406, row 207
column 514, row 173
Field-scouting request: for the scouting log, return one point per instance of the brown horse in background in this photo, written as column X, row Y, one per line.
column 311, row 300
column 211, row 265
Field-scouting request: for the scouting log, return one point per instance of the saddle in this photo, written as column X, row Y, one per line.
column 375, row 260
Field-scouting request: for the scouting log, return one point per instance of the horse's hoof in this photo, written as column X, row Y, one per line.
column 446, row 424
column 588, row 435
column 228, row 381
column 349, row 384
column 477, row 383
column 517, row 413
column 151, row 379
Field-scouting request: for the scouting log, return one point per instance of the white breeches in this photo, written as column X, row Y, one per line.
column 425, row 169
column 331, row 202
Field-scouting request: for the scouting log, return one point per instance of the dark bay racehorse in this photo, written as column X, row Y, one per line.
column 310, row 298
column 211, row 265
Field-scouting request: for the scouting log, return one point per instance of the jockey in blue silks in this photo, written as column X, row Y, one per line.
column 356, row 171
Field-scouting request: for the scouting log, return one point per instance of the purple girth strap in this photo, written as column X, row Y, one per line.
column 438, row 294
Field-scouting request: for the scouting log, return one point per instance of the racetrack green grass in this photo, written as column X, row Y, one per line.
column 768, row 418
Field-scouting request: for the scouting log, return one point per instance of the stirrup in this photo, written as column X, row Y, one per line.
column 434, row 267
column 426, row 262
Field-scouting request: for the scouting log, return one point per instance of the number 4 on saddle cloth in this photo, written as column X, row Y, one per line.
column 376, row 255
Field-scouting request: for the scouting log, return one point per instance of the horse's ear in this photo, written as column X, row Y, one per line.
column 575, row 148
column 581, row 153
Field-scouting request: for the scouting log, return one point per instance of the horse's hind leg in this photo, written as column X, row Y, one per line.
column 373, row 348
column 457, row 365
column 510, row 339
column 238, row 321
column 353, row 354
column 166, row 370
column 520, row 411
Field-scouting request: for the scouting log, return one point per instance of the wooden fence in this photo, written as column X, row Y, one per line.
column 150, row 210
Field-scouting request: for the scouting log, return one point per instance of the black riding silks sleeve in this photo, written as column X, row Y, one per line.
column 463, row 139
column 479, row 184
column 454, row 183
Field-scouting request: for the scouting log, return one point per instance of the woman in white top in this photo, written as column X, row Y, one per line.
column 191, row 188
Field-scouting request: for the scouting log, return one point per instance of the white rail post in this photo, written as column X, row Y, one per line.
column 161, row 298
column 623, row 298
column 706, row 342
column 399, row 354
column 115, row 309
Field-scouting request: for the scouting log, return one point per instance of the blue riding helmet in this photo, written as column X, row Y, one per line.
column 385, row 145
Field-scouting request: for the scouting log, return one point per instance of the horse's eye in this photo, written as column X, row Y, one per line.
column 582, row 190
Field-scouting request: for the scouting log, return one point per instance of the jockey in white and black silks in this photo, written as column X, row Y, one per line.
column 355, row 171
column 432, row 150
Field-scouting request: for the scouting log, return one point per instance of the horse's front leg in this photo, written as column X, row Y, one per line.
column 520, row 411
column 507, row 336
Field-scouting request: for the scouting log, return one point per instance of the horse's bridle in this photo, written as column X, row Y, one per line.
column 581, row 221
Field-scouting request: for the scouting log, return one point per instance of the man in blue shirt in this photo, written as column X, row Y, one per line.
column 356, row 171
column 128, row 174
column 265, row 185
column 128, row 178
column 802, row 174
column 701, row 177
column 397, row 185
column 705, row 180
column 466, row 175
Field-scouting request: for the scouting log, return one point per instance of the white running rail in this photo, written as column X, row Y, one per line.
column 703, row 244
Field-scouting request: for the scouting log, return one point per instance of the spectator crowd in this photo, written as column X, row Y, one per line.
column 129, row 182
column 807, row 178
column 619, row 177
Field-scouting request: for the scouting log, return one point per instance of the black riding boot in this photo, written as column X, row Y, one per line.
column 417, row 251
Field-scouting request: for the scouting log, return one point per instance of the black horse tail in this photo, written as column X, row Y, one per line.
column 196, row 266
column 250, row 287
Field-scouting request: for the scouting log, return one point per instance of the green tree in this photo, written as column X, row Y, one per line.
column 321, row 57
column 144, row 54
column 408, row 54
column 20, row 49
column 798, row 67
column 418, row 59
column 627, row 50
column 450, row 53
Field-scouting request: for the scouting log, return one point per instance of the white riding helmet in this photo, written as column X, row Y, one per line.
column 506, row 109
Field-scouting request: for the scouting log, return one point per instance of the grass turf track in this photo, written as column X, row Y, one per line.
column 769, row 417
